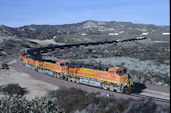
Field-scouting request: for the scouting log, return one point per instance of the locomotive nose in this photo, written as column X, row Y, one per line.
column 125, row 79
column 65, row 69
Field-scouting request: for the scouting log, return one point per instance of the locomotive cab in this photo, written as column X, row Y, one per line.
column 122, row 78
column 24, row 51
column 63, row 66
column 23, row 54
column 117, row 70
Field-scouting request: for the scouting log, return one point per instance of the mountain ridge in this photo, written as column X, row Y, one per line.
column 84, row 22
column 93, row 22
column 88, row 27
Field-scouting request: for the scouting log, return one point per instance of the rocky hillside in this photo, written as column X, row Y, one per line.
column 100, row 27
column 98, row 30
column 14, row 39
column 155, row 49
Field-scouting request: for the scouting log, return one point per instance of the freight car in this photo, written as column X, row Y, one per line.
column 111, row 78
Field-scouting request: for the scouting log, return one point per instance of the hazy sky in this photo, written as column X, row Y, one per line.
column 17, row 13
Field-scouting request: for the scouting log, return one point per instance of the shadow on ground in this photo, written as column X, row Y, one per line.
column 25, row 91
column 138, row 87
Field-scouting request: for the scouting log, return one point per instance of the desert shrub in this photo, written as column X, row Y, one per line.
column 21, row 105
column 4, row 66
column 1, row 87
column 13, row 89
column 71, row 99
column 167, row 80
column 117, row 106
column 146, row 106
column 76, row 100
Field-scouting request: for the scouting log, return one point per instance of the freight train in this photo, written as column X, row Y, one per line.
column 109, row 78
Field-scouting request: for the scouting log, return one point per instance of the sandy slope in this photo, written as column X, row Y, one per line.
column 34, row 87
column 45, row 42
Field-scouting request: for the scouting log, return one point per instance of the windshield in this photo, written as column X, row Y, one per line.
column 67, row 64
column 62, row 65
column 112, row 72
column 120, row 72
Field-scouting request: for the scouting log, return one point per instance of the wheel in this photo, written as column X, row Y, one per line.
column 65, row 78
column 77, row 81
column 73, row 80
column 111, row 88
column 126, row 90
column 58, row 76
column 40, row 71
column 69, row 79
column 104, row 86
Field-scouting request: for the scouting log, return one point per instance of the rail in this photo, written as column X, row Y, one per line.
column 52, row 48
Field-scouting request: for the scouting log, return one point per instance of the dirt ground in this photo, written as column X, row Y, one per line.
column 34, row 87
column 45, row 42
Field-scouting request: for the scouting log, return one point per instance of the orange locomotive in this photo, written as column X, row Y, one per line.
column 112, row 78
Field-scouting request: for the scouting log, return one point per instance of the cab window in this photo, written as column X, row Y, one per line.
column 124, row 71
column 67, row 64
column 119, row 72
column 113, row 72
column 62, row 65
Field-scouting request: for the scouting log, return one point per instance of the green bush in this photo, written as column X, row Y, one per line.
column 73, row 99
column 76, row 100
column 21, row 105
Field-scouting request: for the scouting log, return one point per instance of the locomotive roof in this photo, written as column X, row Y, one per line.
column 40, row 59
column 103, row 68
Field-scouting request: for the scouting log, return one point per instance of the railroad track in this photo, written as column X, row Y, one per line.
column 63, row 83
column 154, row 98
column 52, row 48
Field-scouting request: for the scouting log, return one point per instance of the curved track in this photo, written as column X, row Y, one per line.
column 66, row 84
column 63, row 83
